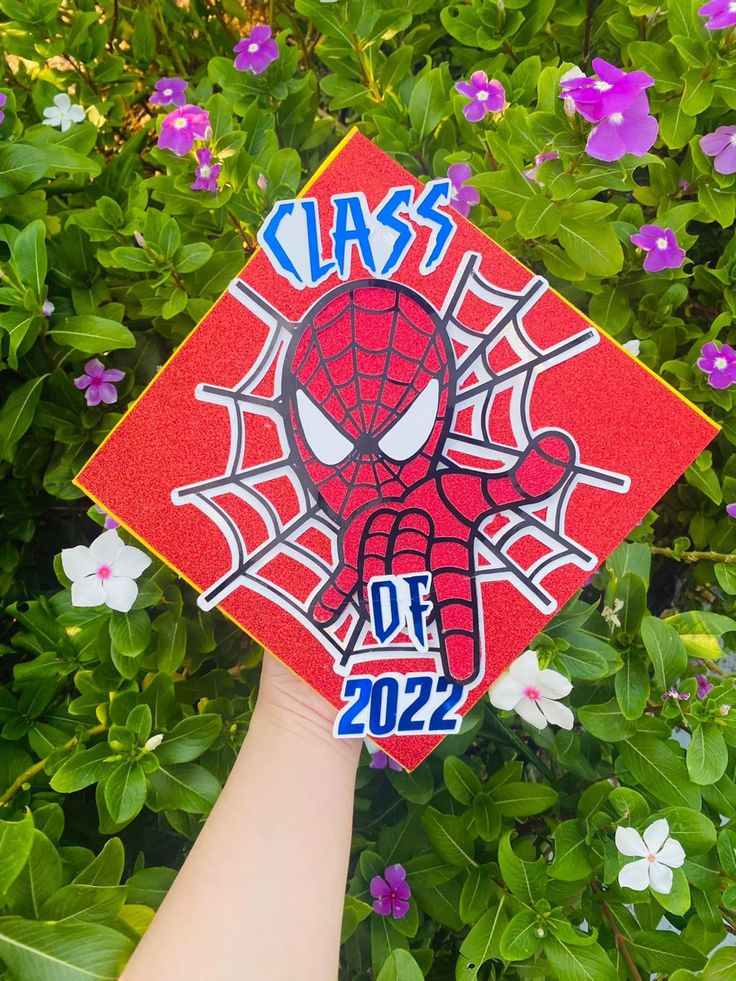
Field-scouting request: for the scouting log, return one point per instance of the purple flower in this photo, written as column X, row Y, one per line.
column 47, row 308
column 731, row 510
column 630, row 130
column 256, row 52
column 612, row 92
column 531, row 174
column 391, row 892
column 704, row 686
column 678, row 696
column 99, row 382
column 720, row 14
column 169, row 92
column 262, row 182
column 719, row 364
column 661, row 247
column 182, row 127
column 206, row 173
column 487, row 96
column 109, row 523
column 3, row 100
column 462, row 198
column 381, row 760
column 721, row 144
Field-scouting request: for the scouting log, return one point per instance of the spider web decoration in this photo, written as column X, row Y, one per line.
column 496, row 370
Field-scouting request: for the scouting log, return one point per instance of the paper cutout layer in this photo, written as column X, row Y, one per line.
column 390, row 453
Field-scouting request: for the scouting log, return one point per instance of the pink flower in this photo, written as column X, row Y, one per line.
column 531, row 174
column 719, row 14
column 3, row 100
column 673, row 693
column 109, row 523
column 462, row 198
column 262, row 182
column 169, row 92
column 99, row 382
column 486, row 96
column 612, row 91
column 206, row 173
column 256, row 52
column 630, row 130
column 721, row 144
column 704, row 686
column 391, row 892
column 661, row 247
column 182, row 127
column 731, row 510
column 719, row 364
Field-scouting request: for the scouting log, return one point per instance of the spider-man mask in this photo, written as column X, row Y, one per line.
column 368, row 385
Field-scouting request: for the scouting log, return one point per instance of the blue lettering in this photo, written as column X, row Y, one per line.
column 398, row 198
column 383, row 631
column 318, row 270
column 268, row 237
column 418, row 612
column 351, row 228
column 443, row 227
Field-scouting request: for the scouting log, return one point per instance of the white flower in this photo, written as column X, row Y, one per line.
column 658, row 854
column 63, row 113
column 611, row 615
column 154, row 742
column 633, row 347
column 568, row 103
column 48, row 308
column 104, row 572
column 532, row 693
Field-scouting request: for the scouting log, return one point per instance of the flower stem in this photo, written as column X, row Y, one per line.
column 31, row 772
column 617, row 935
column 692, row 556
column 524, row 749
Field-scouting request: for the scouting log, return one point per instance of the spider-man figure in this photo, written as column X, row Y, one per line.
column 370, row 382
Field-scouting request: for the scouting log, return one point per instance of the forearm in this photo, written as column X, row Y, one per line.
column 260, row 895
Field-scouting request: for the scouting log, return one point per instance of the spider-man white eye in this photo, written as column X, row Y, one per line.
column 325, row 440
column 409, row 434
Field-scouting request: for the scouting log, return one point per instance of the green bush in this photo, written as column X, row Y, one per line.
column 506, row 832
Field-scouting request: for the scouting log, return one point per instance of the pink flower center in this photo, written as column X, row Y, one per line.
column 603, row 86
column 181, row 123
column 616, row 118
column 482, row 96
column 253, row 47
column 721, row 363
column 168, row 91
column 104, row 572
column 651, row 858
column 662, row 244
column 204, row 170
column 532, row 693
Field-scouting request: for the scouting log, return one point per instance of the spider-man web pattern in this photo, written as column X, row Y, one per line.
column 406, row 438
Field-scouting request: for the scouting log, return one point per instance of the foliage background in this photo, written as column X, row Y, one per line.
column 503, row 824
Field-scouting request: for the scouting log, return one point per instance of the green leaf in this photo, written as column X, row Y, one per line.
column 592, row 246
column 693, row 830
column 29, row 257
column 475, row 895
column 526, row 880
column 84, row 903
column 81, row 769
column 37, row 880
column 107, row 868
column 354, row 912
column 519, row 940
column 428, row 102
column 416, row 786
column 721, row 966
column 659, row 770
column 523, row 799
column 675, row 125
column 605, row 721
column 665, row 649
column 486, row 817
column 150, row 886
column 16, row 839
column 130, row 632
column 20, row 166
column 483, row 943
column 91, row 334
column 449, row 836
column 139, row 723
column 632, row 686
column 18, row 413
column 460, row 780
column 570, row 863
column 707, row 754
column 400, row 966
column 63, row 951
column 663, row 952
column 191, row 257
column 574, row 963
column 184, row 786
column 700, row 631
column 539, row 218
column 125, row 791
column 678, row 900
column 189, row 738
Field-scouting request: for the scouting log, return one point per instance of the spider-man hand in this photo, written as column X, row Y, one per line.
column 433, row 528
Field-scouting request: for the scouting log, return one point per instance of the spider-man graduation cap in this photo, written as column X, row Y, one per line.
column 390, row 453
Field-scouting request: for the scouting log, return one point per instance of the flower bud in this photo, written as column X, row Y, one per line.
column 154, row 742
column 139, row 239
column 724, row 709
